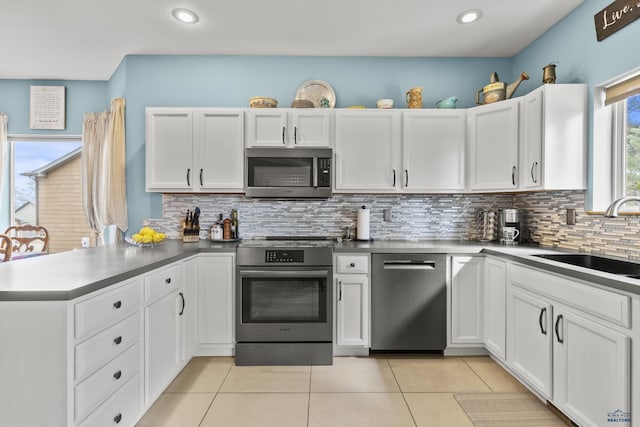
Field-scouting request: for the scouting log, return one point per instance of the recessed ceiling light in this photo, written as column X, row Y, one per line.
column 469, row 16
column 185, row 16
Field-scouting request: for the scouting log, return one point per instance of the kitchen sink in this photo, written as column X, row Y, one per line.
column 594, row 262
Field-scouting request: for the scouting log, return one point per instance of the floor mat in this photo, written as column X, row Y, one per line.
column 507, row 409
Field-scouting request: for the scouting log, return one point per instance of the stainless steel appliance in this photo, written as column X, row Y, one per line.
column 408, row 302
column 510, row 220
column 284, row 303
column 288, row 173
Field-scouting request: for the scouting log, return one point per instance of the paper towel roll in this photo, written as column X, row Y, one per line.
column 363, row 231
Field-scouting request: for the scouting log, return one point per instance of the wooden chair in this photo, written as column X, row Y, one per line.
column 29, row 238
column 5, row 248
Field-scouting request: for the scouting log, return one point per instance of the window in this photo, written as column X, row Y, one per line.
column 615, row 157
column 627, row 148
column 46, row 188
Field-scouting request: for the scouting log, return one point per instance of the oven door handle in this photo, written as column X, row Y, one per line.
column 283, row 273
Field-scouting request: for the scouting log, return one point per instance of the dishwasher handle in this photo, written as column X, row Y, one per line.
column 402, row 264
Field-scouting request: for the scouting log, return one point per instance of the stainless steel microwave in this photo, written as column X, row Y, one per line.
column 288, row 173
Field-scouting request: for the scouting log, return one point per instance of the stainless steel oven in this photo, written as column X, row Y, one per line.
column 284, row 312
column 288, row 172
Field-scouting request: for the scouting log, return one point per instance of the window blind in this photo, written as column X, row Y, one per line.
column 622, row 90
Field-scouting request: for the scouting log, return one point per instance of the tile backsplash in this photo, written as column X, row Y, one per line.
column 414, row 217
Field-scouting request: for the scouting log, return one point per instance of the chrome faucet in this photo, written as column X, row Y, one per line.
column 612, row 210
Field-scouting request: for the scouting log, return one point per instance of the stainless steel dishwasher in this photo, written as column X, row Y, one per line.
column 408, row 302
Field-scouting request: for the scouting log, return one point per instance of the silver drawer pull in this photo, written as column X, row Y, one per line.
column 117, row 304
column 117, row 340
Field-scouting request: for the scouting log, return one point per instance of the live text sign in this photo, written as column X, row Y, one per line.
column 616, row 16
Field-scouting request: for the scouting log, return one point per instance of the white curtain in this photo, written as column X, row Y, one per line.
column 104, row 170
column 4, row 119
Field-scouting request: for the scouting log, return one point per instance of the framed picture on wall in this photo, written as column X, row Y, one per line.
column 47, row 107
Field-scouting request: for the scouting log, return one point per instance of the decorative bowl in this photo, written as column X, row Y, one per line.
column 385, row 103
column 263, row 102
column 302, row 103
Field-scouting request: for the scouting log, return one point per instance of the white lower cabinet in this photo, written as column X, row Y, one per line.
column 592, row 370
column 495, row 306
column 352, row 302
column 529, row 340
column 164, row 329
column 215, row 303
column 560, row 344
column 466, row 300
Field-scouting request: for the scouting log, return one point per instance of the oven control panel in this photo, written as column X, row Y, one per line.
column 279, row 255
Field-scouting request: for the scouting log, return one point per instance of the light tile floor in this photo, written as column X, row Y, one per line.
column 354, row 391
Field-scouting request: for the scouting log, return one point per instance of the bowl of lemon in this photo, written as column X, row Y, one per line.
column 147, row 236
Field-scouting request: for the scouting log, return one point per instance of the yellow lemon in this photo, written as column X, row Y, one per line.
column 136, row 237
column 158, row 237
column 147, row 239
column 146, row 230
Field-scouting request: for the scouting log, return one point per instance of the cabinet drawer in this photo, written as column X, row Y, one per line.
column 91, row 392
column 598, row 302
column 353, row 264
column 121, row 409
column 102, row 311
column 163, row 282
column 98, row 350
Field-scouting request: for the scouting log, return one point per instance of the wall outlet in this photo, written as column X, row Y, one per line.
column 571, row 216
column 386, row 215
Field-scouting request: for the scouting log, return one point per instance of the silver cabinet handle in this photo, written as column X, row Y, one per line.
column 295, row 134
column 534, row 166
column 283, row 131
column 513, row 175
column 394, row 178
column 188, row 177
column 406, row 177
column 339, row 290
column 201, row 184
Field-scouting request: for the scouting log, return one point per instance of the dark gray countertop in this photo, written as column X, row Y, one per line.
column 68, row 275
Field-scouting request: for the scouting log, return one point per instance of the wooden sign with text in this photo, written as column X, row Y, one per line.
column 616, row 16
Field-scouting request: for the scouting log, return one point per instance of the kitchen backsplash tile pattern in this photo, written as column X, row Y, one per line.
column 546, row 221
column 414, row 217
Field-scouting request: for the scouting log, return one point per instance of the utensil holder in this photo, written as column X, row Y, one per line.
column 191, row 235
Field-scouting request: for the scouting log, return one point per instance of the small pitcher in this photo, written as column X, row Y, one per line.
column 414, row 97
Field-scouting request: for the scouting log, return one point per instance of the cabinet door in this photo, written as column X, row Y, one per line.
column 310, row 127
column 215, row 298
column 532, row 140
column 592, row 371
column 162, row 344
column 433, row 150
column 529, row 334
column 367, row 145
column 352, row 314
column 493, row 146
column 466, row 300
column 266, row 128
column 169, row 150
column 495, row 306
column 190, row 312
column 219, row 160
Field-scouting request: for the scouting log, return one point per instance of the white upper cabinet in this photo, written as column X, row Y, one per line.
column 169, row 149
column 295, row 127
column 367, row 145
column 219, row 163
column 493, row 146
column 195, row 150
column 433, row 150
column 554, row 138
